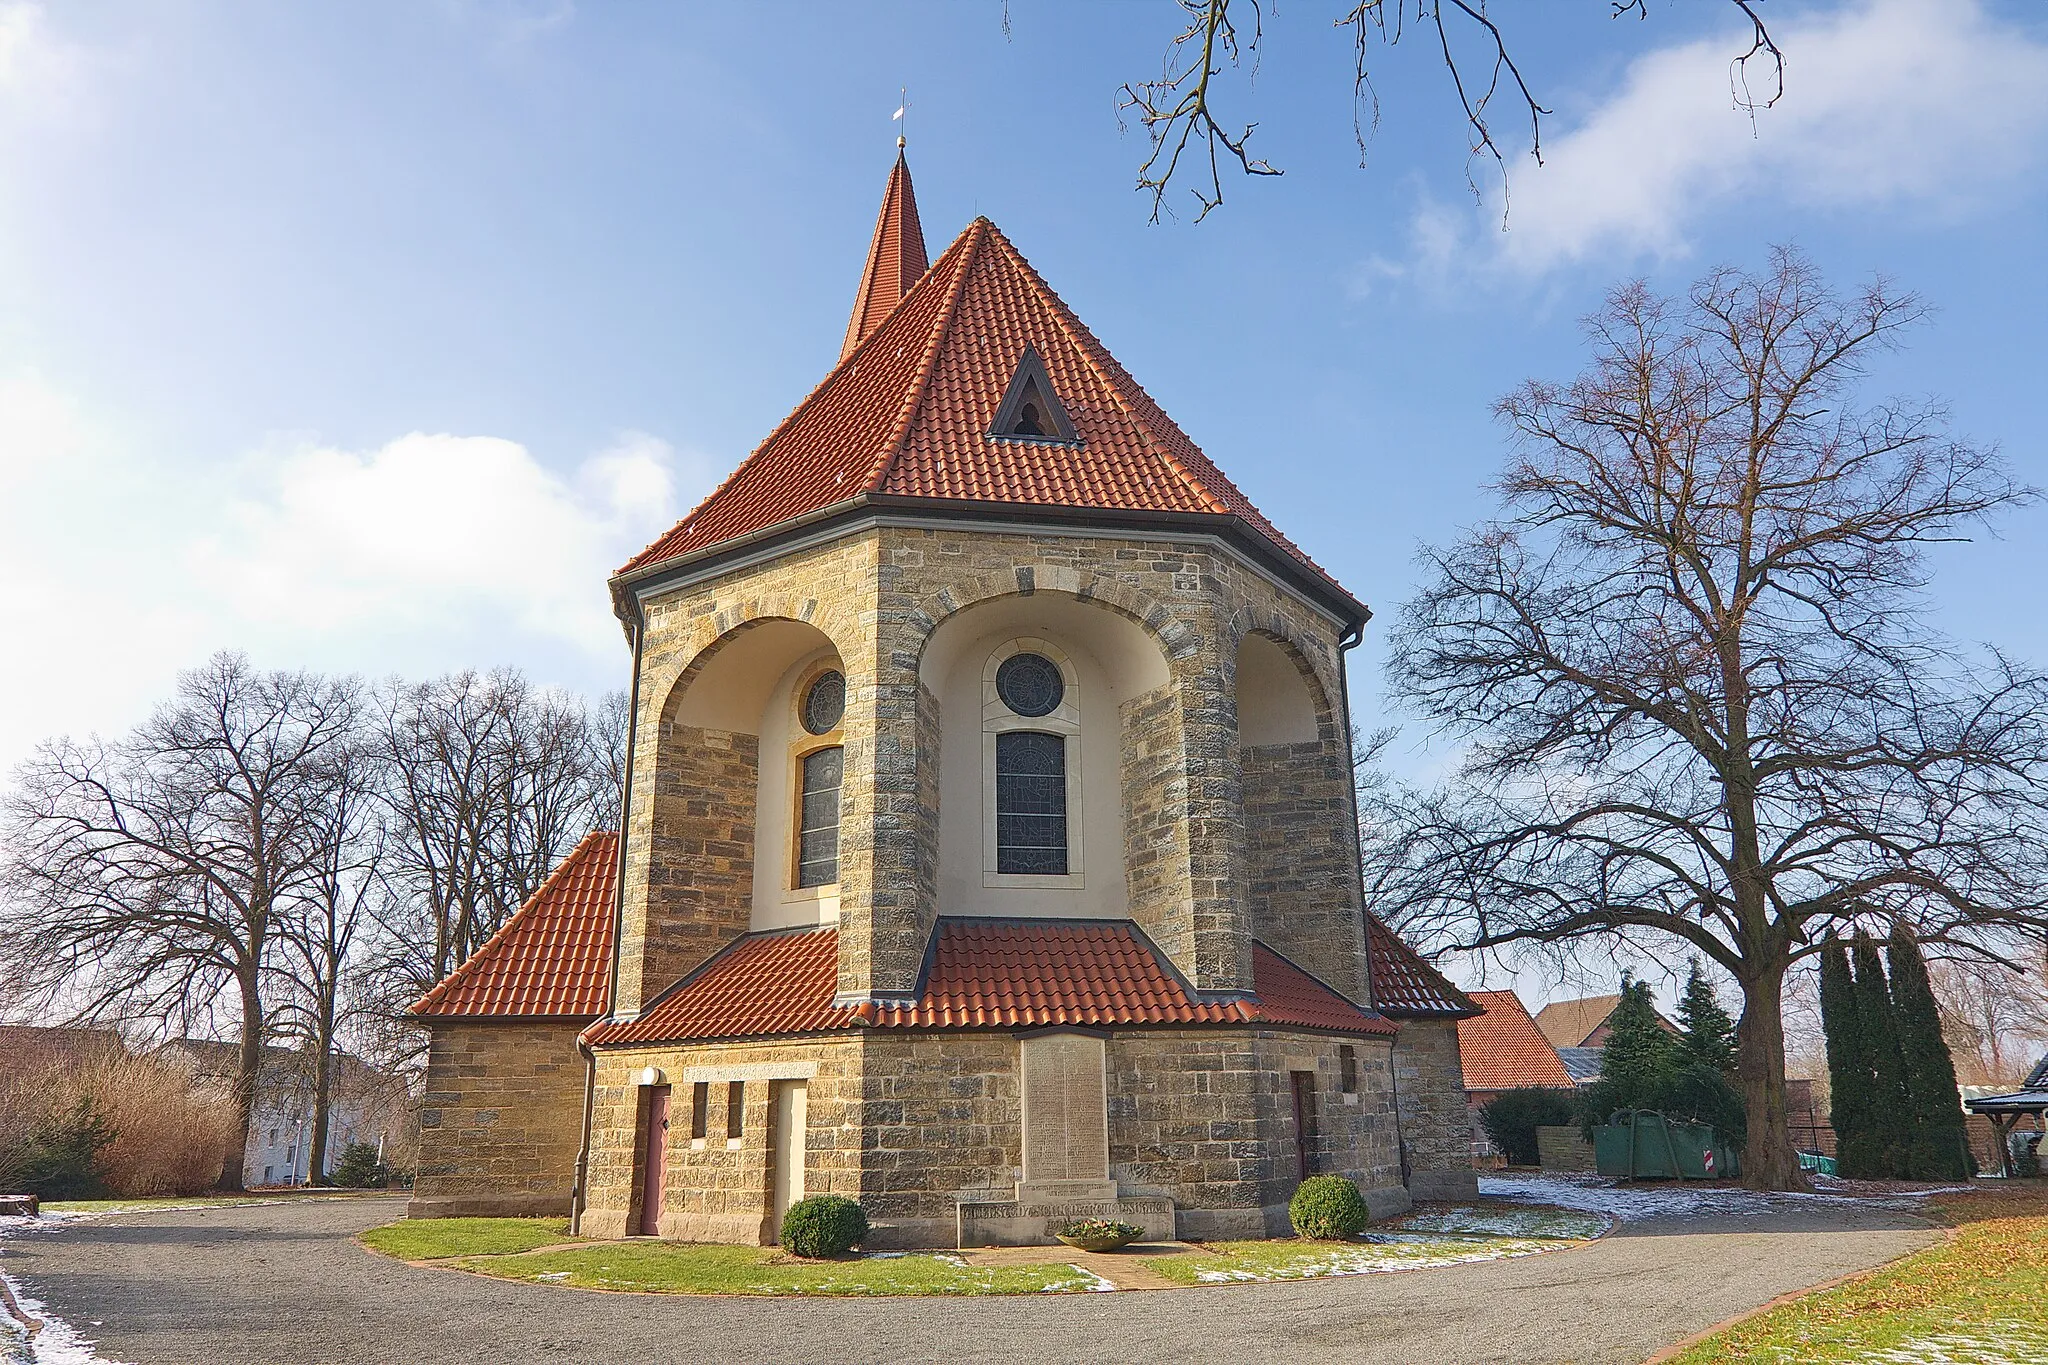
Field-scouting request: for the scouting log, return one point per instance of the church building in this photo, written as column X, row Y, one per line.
column 990, row 854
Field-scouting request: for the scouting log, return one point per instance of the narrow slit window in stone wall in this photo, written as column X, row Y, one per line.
column 735, row 1108
column 817, row 858
column 700, row 1108
column 1347, row 1067
column 1031, row 803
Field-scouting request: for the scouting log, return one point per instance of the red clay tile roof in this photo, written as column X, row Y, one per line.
column 908, row 412
column 984, row 974
column 896, row 258
column 1501, row 1048
column 1404, row 984
column 551, row 960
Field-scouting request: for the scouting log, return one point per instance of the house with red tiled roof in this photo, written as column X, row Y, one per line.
column 990, row 854
column 1502, row 1049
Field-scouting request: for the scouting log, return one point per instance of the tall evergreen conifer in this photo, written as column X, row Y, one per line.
column 1709, row 1037
column 1636, row 1058
column 1849, row 1078
column 1890, row 1121
column 1938, row 1148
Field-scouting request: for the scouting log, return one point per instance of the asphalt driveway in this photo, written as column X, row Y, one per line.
column 286, row 1285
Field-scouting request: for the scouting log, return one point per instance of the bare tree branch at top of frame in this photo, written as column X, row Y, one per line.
column 1178, row 109
column 147, row 877
column 1688, row 667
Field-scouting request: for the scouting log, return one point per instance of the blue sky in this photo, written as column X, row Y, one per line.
column 371, row 337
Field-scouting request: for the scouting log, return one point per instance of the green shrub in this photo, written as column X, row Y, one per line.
column 59, row 1156
column 1512, row 1117
column 1327, row 1207
column 359, row 1168
column 823, row 1225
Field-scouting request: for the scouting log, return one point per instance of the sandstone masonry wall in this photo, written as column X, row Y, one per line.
column 699, row 877
column 720, row 1189
column 1436, row 1126
column 500, row 1120
column 1301, row 857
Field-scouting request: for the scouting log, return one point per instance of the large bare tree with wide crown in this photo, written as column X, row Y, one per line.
column 1690, row 673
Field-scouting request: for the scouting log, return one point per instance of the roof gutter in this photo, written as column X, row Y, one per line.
column 1234, row 529
column 579, row 1196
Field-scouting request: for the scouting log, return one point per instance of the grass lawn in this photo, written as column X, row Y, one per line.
column 423, row 1239
column 686, row 1268
column 1982, row 1296
column 1299, row 1259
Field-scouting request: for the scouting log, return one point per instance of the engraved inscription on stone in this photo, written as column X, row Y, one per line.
column 1066, row 1123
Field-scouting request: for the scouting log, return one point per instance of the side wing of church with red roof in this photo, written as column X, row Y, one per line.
column 990, row 854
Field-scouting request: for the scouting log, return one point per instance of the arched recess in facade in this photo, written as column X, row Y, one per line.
column 718, row 801
column 1300, row 846
column 1125, row 744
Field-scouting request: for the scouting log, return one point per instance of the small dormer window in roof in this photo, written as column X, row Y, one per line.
column 1030, row 410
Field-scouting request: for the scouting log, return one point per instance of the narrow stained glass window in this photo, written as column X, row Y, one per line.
column 817, row 854
column 1031, row 803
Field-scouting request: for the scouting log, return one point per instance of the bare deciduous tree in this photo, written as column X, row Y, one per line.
column 491, row 781
column 1178, row 108
column 1994, row 1018
column 149, row 875
column 319, row 940
column 1692, row 673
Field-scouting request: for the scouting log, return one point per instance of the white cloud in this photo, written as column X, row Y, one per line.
column 429, row 552
column 1927, row 106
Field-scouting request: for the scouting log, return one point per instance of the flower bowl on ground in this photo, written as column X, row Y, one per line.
column 1098, row 1234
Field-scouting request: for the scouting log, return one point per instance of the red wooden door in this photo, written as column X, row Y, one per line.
column 1304, row 1123
column 654, row 1161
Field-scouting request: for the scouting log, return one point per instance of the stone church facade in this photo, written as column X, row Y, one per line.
column 990, row 854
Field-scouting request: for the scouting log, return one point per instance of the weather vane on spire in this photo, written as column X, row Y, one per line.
column 899, row 116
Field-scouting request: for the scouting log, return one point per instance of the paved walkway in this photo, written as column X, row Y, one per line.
column 285, row 1285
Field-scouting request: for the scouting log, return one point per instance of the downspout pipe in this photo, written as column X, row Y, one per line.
column 579, row 1197
column 1347, row 642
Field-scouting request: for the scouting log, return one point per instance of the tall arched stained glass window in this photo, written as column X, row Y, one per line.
column 1031, row 803
column 817, row 856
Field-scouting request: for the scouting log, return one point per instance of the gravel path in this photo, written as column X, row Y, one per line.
column 285, row 1285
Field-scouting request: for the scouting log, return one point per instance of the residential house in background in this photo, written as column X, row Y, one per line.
column 365, row 1105
column 1583, row 1023
column 1502, row 1049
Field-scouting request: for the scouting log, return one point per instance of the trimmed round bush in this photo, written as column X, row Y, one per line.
column 823, row 1225
column 1327, row 1207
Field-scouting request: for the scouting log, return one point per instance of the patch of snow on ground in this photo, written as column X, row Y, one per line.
column 1383, row 1253
column 1993, row 1344
column 1466, row 1220
column 55, row 1344
column 1084, row 1279
column 1633, row 1203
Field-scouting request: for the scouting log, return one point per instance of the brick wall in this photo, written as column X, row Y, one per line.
column 500, row 1120
column 1436, row 1125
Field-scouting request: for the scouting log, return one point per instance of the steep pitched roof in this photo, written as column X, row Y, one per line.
column 1502, row 1048
column 552, row 959
column 1404, row 984
column 896, row 258
column 984, row 974
column 1569, row 1023
column 906, row 418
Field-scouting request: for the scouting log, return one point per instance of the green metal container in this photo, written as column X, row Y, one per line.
column 1643, row 1144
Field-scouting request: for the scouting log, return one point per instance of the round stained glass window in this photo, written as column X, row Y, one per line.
column 1030, row 684
column 825, row 703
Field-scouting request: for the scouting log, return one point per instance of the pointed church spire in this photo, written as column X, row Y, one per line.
column 896, row 257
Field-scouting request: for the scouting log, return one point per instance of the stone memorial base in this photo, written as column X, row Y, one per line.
column 1042, row 1208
